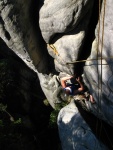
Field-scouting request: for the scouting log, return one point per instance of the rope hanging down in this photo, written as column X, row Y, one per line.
column 98, row 58
column 100, row 96
column 101, row 48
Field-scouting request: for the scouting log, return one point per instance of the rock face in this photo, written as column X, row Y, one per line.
column 65, row 32
column 64, row 24
column 20, row 91
column 98, row 73
column 76, row 132
column 18, row 31
column 62, row 16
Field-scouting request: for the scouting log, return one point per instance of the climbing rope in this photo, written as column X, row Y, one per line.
column 85, row 60
column 53, row 48
column 57, row 54
column 101, row 48
column 97, row 124
column 98, row 58
column 78, row 61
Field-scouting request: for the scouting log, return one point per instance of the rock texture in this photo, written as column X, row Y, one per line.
column 64, row 30
column 51, row 87
column 62, row 16
column 18, row 31
column 76, row 132
column 98, row 74
column 64, row 24
column 98, row 78
column 67, row 46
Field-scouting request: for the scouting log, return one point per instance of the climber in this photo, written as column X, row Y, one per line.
column 74, row 88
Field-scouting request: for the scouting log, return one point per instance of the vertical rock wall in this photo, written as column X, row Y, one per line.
column 62, row 29
column 98, row 73
column 19, row 33
column 64, row 24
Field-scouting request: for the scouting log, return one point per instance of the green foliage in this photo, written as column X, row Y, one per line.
column 45, row 101
column 19, row 121
column 4, row 123
column 3, row 107
column 54, row 114
column 9, row 130
column 5, row 78
column 13, row 133
column 53, row 119
column 1, row 123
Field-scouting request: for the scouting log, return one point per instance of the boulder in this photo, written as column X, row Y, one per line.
column 74, row 131
column 18, row 30
column 64, row 25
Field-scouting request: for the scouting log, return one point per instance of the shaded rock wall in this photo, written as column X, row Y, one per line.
column 60, row 30
column 18, row 31
column 19, row 88
column 76, row 131
column 98, row 73
column 97, row 76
